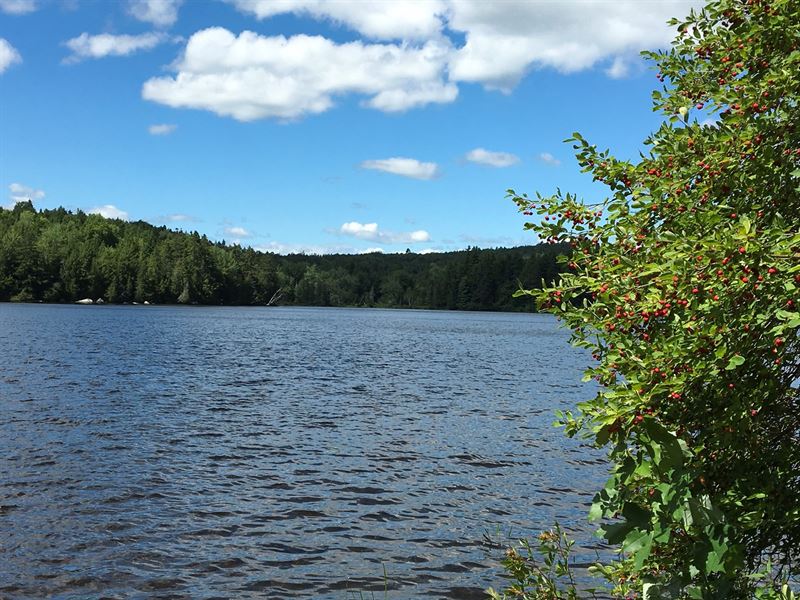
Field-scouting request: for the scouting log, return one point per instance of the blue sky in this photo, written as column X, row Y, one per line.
column 309, row 125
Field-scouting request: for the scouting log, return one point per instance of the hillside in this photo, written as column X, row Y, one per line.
column 58, row 256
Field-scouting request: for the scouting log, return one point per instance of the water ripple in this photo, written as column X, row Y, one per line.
column 279, row 453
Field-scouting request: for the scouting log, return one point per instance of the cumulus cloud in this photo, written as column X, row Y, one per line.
column 493, row 159
column 18, row 192
column 407, row 167
column 106, row 44
column 161, row 13
column 8, row 55
column 424, row 49
column 162, row 129
column 18, row 7
column 377, row 19
column 238, row 232
column 504, row 40
column 251, row 76
column 109, row 211
column 548, row 159
column 371, row 232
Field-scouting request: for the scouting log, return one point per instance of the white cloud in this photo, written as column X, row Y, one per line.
column 407, row 167
column 549, row 159
column 109, row 211
column 493, row 159
column 367, row 231
column 377, row 19
column 18, row 192
column 251, row 76
column 162, row 129
column 289, row 248
column 484, row 241
column 283, row 248
column 174, row 218
column 504, row 40
column 180, row 218
column 397, row 100
column 238, row 232
column 18, row 7
column 105, row 44
column 8, row 55
column 371, row 232
column 620, row 68
column 161, row 13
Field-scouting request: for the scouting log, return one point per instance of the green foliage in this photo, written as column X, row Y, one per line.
column 683, row 284
column 543, row 573
column 57, row 256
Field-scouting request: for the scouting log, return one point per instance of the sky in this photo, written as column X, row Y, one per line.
column 320, row 126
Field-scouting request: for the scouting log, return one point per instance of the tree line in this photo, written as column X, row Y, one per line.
column 60, row 256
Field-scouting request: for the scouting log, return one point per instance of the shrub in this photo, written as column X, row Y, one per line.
column 683, row 284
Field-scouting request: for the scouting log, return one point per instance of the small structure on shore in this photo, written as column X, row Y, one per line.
column 99, row 301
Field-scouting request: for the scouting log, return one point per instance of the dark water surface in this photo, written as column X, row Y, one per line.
column 278, row 452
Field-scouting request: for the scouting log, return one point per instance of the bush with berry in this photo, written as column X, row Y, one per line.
column 684, row 283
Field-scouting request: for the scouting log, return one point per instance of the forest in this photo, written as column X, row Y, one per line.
column 60, row 256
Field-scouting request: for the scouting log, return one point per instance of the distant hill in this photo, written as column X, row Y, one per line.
column 58, row 256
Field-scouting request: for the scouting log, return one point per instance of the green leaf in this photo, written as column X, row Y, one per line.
column 694, row 592
column 596, row 511
column 615, row 533
column 745, row 222
column 638, row 544
column 735, row 361
column 671, row 453
column 715, row 562
column 602, row 436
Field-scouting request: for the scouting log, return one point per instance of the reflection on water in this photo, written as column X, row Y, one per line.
column 278, row 452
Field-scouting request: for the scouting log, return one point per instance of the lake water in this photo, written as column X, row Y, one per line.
column 192, row 452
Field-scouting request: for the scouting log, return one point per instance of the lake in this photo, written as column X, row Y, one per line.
column 210, row 452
